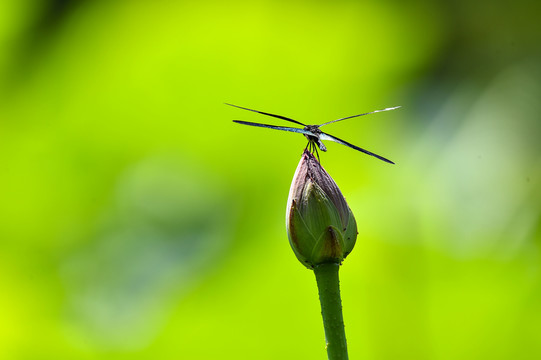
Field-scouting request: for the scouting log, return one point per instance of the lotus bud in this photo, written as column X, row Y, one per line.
column 320, row 225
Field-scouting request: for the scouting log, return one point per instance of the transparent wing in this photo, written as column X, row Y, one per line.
column 264, row 113
column 283, row 128
column 324, row 136
column 371, row 112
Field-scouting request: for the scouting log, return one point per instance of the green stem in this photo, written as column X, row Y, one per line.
column 331, row 310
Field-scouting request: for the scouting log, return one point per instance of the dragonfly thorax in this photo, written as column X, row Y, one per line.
column 313, row 129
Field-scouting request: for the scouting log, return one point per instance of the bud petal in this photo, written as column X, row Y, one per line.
column 320, row 225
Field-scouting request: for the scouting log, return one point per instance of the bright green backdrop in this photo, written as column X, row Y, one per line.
column 138, row 222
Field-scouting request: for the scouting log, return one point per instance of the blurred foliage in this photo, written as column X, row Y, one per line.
column 138, row 222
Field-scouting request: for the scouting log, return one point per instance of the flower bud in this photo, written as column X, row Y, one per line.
column 320, row 225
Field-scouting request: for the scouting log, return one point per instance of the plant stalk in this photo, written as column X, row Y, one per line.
column 331, row 309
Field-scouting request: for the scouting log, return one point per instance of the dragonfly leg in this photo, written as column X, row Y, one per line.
column 312, row 148
column 317, row 153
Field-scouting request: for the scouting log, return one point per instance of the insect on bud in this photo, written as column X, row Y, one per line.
column 320, row 225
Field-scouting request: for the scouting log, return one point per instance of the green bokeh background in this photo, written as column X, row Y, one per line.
column 138, row 222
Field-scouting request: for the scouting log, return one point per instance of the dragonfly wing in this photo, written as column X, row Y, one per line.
column 283, row 128
column 368, row 113
column 325, row 136
column 268, row 114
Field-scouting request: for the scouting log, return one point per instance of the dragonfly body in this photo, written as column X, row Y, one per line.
column 314, row 137
column 313, row 132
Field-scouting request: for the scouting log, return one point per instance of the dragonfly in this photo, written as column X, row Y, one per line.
column 313, row 132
